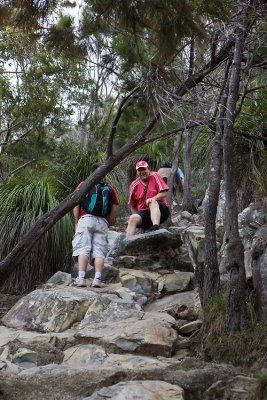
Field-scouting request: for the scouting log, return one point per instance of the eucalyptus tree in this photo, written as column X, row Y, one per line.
column 115, row 157
column 161, row 34
column 236, row 300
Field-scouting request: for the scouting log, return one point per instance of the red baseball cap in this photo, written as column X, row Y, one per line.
column 141, row 164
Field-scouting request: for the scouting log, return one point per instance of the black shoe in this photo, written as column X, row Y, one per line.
column 155, row 228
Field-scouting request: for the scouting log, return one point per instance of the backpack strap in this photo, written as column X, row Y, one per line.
column 93, row 199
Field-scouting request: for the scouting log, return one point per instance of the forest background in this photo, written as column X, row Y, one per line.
column 179, row 80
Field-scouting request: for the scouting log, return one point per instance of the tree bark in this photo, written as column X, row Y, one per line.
column 44, row 223
column 211, row 274
column 172, row 177
column 187, row 198
column 236, row 293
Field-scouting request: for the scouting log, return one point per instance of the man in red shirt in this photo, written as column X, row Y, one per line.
column 90, row 241
column 148, row 203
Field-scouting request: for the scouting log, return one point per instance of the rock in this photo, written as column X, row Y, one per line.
column 186, row 215
column 60, row 278
column 112, row 237
column 196, row 235
column 53, row 310
column 190, row 327
column 177, row 282
column 25, row 358
column 140, row 282
column 259, row 270
column 61, row 382
column 151, row 335
column 250, row 220
column 94, row 358
column 184, row 305
column 132, row 390
column 149, row 242
column 237, row 388
column 110, row 309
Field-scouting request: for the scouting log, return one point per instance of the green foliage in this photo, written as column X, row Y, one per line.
column 261, row 380
column 22, row 200
column 71, row 165
column 61, row 36
column 152, row 21
column 247, row 348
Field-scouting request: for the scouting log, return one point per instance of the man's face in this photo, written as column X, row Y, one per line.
column 143, row 173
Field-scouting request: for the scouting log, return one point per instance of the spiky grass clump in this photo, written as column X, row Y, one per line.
column 247, row 348
column 22, row 200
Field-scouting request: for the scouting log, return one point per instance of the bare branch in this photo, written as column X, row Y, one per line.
column 20, row 167
column 125, row 103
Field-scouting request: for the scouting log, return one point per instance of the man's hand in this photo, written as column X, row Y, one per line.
column 148, row 201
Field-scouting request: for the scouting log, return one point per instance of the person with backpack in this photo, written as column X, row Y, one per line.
column 148, row 203
column 92, row 217
column 165, row 172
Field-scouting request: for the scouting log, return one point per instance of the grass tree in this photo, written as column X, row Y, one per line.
column 23, row 199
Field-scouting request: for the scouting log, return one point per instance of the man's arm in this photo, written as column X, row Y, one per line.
column 159, row 196
column 133, row 210
column 113, row 212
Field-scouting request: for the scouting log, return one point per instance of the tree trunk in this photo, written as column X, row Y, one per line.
column 172, row 177
column 211, row 278
column 187, row 198
column 236, row 294
column 211, row 273
column 44, row 223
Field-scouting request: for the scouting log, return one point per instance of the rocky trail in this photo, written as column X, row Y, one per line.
column 136, row 338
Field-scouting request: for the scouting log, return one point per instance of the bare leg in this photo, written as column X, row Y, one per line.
column 133, row 221
column 99, row 264
column 82, row 262
column 154, row 212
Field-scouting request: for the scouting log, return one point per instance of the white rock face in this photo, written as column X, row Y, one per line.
column 149, row 390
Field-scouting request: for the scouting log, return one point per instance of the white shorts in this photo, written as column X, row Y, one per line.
column 91, row 237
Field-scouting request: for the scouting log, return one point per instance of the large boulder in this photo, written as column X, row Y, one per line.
column 184, row 305
column 132, row 390
column 249, row 220
column 53, row 310
column 259, row 270
column 152, row 334
column 147, row 251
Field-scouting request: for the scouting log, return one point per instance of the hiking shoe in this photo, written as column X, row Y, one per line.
column 97, row 283
column 80, row 282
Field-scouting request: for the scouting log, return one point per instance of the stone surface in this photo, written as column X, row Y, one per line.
column 259, row 270
column 237, row 388
column 152, row 334
column 94, row 357
column 184, row 305
column 60, row 382
column 177, row 282
column 60, row 278
column 133, row 390
column 139, row 281
column 190, row 327
column 25, row 358
column 50, row 310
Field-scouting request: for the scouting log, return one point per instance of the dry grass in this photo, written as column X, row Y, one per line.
column 246, row 348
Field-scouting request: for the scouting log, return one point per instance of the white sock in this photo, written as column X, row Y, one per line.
column 98, row 275
column 81, row 274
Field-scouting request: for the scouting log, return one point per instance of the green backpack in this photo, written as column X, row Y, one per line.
column 97, row 202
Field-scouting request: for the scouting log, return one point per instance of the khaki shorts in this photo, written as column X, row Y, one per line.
column 91, row 237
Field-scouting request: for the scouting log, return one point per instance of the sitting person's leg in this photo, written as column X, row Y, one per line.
column 134, row 220
column 164, row 212
column 155, row 213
